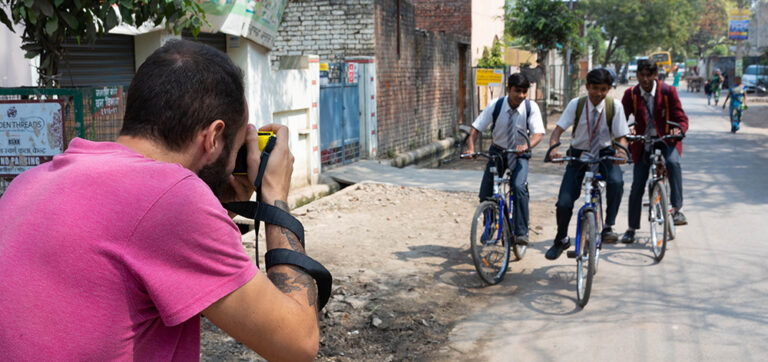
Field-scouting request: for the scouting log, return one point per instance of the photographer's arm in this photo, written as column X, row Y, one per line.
column 275, row 313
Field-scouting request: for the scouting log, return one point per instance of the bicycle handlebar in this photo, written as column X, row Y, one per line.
column 593, row 160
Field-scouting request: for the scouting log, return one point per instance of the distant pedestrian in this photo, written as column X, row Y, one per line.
column 738, row 96
column 715, row 84
column 676, row 82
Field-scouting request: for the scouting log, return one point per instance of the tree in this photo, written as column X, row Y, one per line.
column 711, row 28
column 48, row 23
column 492, row 58
column 542, row 25
column 640, row 26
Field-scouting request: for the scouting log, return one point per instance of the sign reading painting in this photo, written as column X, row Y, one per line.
column 31, row 132
column 257, row 20
column 738, row 25
column 106, row 101
column 489, row 77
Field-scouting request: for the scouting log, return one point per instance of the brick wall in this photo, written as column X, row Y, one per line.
column 418, row 89
column 332, row 29
column 449, row 16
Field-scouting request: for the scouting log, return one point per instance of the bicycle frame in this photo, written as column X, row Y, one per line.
column 593, row 201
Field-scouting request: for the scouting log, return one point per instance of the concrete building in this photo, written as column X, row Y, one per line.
column 286, row 95
column 418, row 55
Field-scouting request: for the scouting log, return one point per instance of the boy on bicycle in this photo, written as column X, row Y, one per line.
column 505, row 116
column 653, row 104
column 738, row 96
column 598, row 121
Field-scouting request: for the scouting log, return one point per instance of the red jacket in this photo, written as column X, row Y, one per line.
column 663, row 110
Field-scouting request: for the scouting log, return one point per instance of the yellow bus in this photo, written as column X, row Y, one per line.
column 663, row 61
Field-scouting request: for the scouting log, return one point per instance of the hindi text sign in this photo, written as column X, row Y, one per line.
column 31, row 132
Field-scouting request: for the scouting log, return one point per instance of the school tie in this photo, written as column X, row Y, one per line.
column 512, row 128
column 594, row 140
column 650, row 125
column 512, row 159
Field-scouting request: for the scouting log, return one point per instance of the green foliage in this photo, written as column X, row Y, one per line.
column 48, row 23
column 641, row 26
column 542, row 25
column 492, row 58
column 711, row 27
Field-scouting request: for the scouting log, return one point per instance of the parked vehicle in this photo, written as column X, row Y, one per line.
column 632, row 67
column 753, row 74
column 664, row 62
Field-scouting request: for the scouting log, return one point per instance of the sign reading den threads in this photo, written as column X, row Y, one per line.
column 31, row 132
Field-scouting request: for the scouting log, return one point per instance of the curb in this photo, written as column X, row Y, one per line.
column 419, row 154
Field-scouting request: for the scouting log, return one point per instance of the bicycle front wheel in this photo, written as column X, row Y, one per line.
column 586, row 257
column 660, row 219
column 489, row 243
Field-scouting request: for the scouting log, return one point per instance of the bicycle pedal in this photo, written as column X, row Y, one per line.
column 571, row 254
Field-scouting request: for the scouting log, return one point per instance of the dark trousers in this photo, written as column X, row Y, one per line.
column 570, row 190
column 520, row 216
column 640, row 177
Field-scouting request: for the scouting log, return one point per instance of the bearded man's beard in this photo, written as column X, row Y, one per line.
column 215, row 175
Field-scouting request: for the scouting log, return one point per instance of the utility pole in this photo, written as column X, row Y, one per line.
column 738, row 66
column 568, row 65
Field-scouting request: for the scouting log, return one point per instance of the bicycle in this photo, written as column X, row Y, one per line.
column 492, row 233
column 587, row 244
column 659, row 208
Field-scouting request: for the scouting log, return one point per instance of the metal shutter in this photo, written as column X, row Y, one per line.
column 109, row 61
column 217, row 41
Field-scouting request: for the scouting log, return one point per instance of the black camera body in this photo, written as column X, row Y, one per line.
column 241, row 163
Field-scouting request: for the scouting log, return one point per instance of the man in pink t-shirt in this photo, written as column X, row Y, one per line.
column 113, row 249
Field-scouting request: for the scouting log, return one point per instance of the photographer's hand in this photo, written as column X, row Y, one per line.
column 277, row 175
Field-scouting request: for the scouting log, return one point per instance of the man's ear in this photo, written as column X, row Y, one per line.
column 213, row 137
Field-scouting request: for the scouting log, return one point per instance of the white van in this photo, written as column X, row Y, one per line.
column 752, row 74
column 632, row 68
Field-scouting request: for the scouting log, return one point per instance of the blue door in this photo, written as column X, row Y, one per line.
column 339, row 122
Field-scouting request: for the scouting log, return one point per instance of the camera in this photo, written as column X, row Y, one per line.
column 241, row 163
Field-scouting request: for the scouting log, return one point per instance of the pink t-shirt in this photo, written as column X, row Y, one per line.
column 108, row 255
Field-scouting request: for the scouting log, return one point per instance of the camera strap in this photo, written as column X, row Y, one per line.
column 259, row 211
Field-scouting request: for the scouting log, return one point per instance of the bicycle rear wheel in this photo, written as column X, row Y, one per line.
column 660, row 218
column 586, row 258
column 489, row 243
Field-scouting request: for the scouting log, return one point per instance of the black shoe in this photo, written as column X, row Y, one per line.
column 521, row 239
column 557, row 248
column 608, row 236
column 679, row 218
column 628, row 237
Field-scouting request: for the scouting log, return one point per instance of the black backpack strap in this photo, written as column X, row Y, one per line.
column 316, row 270
column 259, row 211
column 497, row 111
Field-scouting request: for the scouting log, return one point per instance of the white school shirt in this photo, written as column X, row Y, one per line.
column 580, row 140
column 504, row 123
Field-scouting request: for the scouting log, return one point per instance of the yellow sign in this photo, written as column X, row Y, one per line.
column 737, row 14
column 489, row 77
column 323, row 67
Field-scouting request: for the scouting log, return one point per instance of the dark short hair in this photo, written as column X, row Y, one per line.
column 647, row 64
column 179, row 90
column 600, row 76
column 518, row 80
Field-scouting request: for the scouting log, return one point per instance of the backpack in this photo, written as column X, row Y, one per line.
column 609, row 113
column 497, row 111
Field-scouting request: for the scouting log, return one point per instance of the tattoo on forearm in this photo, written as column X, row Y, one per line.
column 292, row 240
column 299, row 281
column 282, row 205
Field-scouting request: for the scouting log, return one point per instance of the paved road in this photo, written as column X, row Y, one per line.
column 707, row 300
